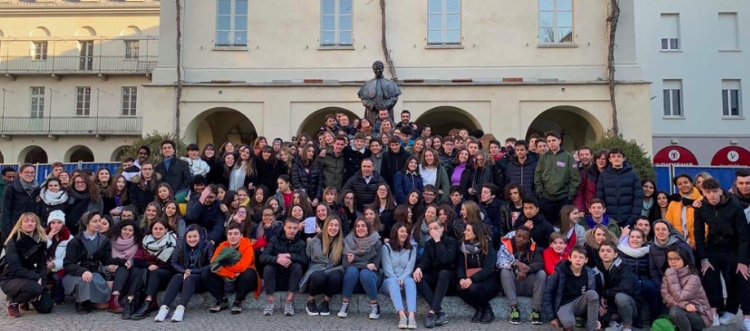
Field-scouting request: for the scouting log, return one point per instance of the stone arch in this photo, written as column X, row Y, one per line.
column 576, row 125
column 39, row 31
column 443, row 119
column 2, row 34
column 86, row 31
column 2, row 157
column 79, row 153
column 131, row 32
column 33, row 154
column 220, row 124
column 118, row 153
column 312, row 123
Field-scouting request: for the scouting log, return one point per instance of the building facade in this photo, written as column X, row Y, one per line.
column 511, row 68
column 693, row 53
column 72, row 75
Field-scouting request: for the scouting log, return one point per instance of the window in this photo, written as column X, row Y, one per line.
column 555, row 21
column 132, row 49
column 231, row 23
column 39, row 52
column 728, row 34
column 129, row 100
column 673, row 98
column 444, row 22
column 83, row 101
column 37, row 102
column 670, row 32
column 730, row 98
column 336, row 23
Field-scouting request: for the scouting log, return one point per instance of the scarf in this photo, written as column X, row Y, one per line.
column 647, row 206
column 124, row 248
column 63, row 235
column 633, row 252
column 80, row 195
column 163, row 247
column 360, row 246
column 470, row 248
column 53, row 199
column 28, row 187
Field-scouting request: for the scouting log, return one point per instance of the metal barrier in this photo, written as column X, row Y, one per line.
column 664, row 175
column 43, row 170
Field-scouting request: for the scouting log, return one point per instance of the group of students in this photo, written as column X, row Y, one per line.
column 339, row 214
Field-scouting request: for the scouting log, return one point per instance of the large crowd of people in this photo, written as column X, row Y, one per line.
column 383, row 207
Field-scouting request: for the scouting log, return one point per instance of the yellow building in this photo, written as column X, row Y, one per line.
column 72, row 75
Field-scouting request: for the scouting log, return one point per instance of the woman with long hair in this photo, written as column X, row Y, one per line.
column 362, row 249
column 269, row 168
column 348, row 203
column 299, row 197
column 171, row 215
column 446, row 216
column 287, row 157
column 573, row 232
column 680, row 210
column 143, row 186
column 227, row 148
column 58, row 237
column 229, row 204
column 103, row 180
column 433, row 173
column 481, row 173
column 408, row 179
column 116, row 197
column 683, row 293
column 477, row 283
column 634, row 253
column 244, row 173
column 331, row 199
column 155, row 265
column 307, row 174
column 259, row 143
column 268, row 227
column 164, row 194
column 322, row 214
column 370, row 214
column 398, row 258
column 461, row 165
column 150, row 216
column 64, row 179
column 594, row 238
column 415, row 203
column 659, row 211
column 50, row 197
column 420, row 232
column 125, row 240
column 257, row 201
column 385, row 203
column 649, row 197
column 209, row 155
column 470, row 211
column 324, row 274
column 83, row 197
column 26, row 268
column 242, row 217
column 221, row 171
column 589, row 180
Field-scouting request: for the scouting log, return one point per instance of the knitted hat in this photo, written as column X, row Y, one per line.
column 56, row 215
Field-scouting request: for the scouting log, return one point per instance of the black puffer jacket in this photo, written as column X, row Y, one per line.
column 622, row 193
column 365, row 192
column 281, row 245
column 727, row 228
column 392, row 163
column 25, row 259
column 16, row 201
column 142, row 196
column 353, row 160
column 522, row 174
column 439, row 256
column 308, row 178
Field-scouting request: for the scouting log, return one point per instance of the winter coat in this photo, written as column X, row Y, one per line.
column 674, row 215
column 553, row 289
column 196, row 261
column 308, row 179
column 556, row 176
column 622, row 193
column 506, row 217
column 365, row 192
column 636, row 258
column 16, row 201
column 142, row 196
column 48, row 202
column 109, row 203
column 78, row 260
column 479, row 177
column 26, row 259
column 318, row 261
column 447, row 161
column 247, row 261
column 392, row 163
column 353, row 160
column 209, row 217
column 178, row 176
column 619, row 278
column 439, row 256
column 492, row 212
column 59, row 255
column 587, row 189
column 657, row 252
column 681, row 287
column 508, row 253
column 522, row 174
column 405, row 182
column 486, row 263
column 268, row 173
column 552, row 259
column 333, row 167
column 80, row 203
column 541, row 231
column 280, row 245
column 723, row 228
column 3, row 185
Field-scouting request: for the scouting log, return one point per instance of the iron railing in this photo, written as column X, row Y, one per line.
column 77, row 125
column 78, row 64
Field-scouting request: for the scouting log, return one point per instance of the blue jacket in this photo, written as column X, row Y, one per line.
column 406, row 182
column 622, row 193
column 522, row 174
column 553, row 290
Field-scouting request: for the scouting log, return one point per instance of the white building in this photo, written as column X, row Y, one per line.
column 696, row 54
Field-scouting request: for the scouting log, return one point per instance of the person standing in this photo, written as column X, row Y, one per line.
column 620, row 188
column 173, row 171
column 18, row 199
column 556, row 178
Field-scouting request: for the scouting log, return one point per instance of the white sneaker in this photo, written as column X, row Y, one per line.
column 179, row 314
column 269, row 309
column 162, row 315
column 727, row 318
column 614, row 326
column 746, row 324
column 716, row 320
column 374, row 311
column 344, row 311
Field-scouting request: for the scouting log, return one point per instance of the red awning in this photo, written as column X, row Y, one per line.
column 675, row 155
column 733, row 156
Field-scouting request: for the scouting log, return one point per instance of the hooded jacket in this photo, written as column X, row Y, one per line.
column 622, row 193
column 681, row 287
column 722, row 227
column 508, row 253
column 556, row 176
column 657, row 253
column 553, row 289
column 333, row 167
column 541, row 231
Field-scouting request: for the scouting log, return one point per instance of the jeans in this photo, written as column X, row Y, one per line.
column 20, row 290
column 585, row 305
column 365, row 277
column 246, row 282
column 325, row 283
column 185, row 287
column 685, row 321
column 434, row 286
column 626, row 308
column 273, row 273
column 391, row 287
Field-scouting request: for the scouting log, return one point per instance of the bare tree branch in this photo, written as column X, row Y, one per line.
column 178, row 96
column 384, row 41
column 612, row 20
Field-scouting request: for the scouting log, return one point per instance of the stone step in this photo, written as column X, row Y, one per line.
column 360, row 304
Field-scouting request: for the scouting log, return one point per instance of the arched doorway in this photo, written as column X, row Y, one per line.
column 576, row 126
column 314, row 121
column 79, row 153
column 118, row 153
column 218, row 125
column 33, row 154
column 2, row 157
column 446, row 118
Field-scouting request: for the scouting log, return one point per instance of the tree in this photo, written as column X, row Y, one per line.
column 153, row 141
column 634, row 153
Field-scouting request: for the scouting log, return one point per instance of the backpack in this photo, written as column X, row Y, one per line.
column 663, row 323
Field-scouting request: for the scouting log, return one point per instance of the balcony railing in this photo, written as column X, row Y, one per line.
column 78, row 125
column 17, row 65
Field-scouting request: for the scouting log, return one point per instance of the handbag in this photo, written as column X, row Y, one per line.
column 472, row 271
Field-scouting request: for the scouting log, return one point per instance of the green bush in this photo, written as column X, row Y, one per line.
column 153, row 141
column 634, row 153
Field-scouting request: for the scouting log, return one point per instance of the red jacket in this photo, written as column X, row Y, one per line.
column 587, row 189
column 551, row 259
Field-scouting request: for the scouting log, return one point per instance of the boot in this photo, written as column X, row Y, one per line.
column 144, row 311
column 114, row 305
column 487, row 315
column 127, row 310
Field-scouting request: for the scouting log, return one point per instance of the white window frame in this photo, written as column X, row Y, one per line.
column 129, row 101
column 731, row 97
column 556, row 12
column 39, row 50
column 672, row 43
column 444, row 24
column 736, row 32
column 670, row 95
column 233, row 30
column 132, row 49
column 37, row 101
column 83, row 101
column 337, row 31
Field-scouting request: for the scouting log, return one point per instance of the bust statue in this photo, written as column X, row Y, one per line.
column 378, row 93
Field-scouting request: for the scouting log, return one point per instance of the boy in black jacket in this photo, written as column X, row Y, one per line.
column 284, row 258
column 618, row 288
column 436, row 272
column 571, row 292
column 532, row 219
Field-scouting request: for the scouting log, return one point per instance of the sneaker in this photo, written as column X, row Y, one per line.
column 325, row 310
column 442, row 318
column 580, row 322
column 412, row 323
column 627, row 329
column 236, row 307
column 746, row 324
column 269, row 309
column 614, row 326
column 13, row 310
column 219, row 306
column 312, row 308
column 162, row 314
column 430, row 321
column 515, row 315
column 536, row 317
column 374, row 311
column 288, row 309
column 403, row 322
column 727, row 318
column 344, row 311
column 717, row 321
column 179, row 314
